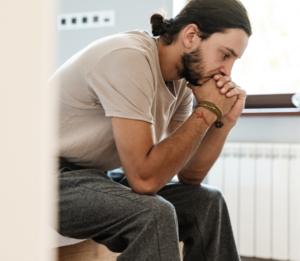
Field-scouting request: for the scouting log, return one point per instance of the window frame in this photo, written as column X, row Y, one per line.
column 276, row 110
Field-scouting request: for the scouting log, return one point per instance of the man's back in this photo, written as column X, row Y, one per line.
column 117, row 76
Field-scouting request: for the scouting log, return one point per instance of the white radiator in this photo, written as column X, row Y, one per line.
column 261, row 185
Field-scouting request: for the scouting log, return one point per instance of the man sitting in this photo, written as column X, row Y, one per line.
column 118, row 98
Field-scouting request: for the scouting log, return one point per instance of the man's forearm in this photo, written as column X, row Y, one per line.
column 211, row 146
column 169, row 156
column 205, row 155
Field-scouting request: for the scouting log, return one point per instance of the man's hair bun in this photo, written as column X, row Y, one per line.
column 156, row 22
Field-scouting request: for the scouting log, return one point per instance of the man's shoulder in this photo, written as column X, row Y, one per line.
column 135, row 40
column 118, row 44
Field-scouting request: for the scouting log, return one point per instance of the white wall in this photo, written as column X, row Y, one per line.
column 26, row 136
column 129, row 15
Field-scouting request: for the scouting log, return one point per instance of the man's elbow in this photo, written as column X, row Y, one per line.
column 143, row 187
column 190, row 181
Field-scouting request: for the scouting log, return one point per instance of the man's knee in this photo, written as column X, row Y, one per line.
column 156, row 209
column 160, row 215
column 213, row 193
column 162, row 208
column 205, row 197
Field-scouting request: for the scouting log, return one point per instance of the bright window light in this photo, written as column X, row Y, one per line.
column 178, row 5
column 271, row 63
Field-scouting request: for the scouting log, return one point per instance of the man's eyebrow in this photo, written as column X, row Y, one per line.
column 231, row 51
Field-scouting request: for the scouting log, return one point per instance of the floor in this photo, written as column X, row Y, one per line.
column 255, row 259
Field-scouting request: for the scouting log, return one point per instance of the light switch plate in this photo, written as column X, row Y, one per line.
column 71, row 21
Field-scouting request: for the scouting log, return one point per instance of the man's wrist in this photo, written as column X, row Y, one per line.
column 228, row 123
column 206, row 115
column 211, row 107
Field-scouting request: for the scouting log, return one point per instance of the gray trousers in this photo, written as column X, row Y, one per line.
column 145, row 228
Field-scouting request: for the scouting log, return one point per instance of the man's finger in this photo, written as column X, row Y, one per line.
column 227, row 87
column 217, row 76
column 236, row 92
column 223, row 80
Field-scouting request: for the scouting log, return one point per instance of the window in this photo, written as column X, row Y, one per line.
column 271, row 62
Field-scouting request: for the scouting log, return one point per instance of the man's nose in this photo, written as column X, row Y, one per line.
column 226, row 69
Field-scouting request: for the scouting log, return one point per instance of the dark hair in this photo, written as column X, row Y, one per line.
column 211, row 16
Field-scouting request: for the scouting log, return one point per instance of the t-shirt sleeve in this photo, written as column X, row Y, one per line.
column 184, row 109
column 123, row 81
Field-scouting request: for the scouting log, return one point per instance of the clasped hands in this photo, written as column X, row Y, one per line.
column 227, row 95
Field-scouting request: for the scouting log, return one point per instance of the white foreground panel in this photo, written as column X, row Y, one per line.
column 27, row 128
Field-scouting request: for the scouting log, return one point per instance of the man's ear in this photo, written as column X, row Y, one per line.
column 190, row 36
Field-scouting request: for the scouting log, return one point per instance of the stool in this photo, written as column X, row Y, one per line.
column 88, row 250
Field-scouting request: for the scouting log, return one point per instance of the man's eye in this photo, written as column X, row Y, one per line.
column 225, row 56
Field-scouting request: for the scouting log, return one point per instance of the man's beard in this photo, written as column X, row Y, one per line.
column 192, row 68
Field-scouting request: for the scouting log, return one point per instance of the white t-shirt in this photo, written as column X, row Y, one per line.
column 116, row 76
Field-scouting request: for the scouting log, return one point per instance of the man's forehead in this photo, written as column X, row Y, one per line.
column 234, row 41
